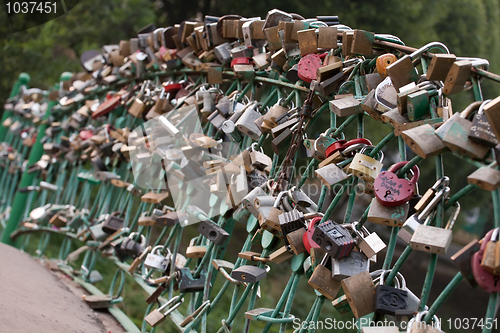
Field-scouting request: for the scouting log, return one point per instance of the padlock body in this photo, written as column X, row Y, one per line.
column 431, row 239
column 389, row 299
column 322, row 281
column 390, row 216
column 365, row 167
column 355, row 263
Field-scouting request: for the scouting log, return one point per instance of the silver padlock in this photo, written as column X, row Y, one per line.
column 408, row 229
column 249, row 200
column 246, row 123
column 355, row 263
column 156, row 261
column 433, row 239
column 370, row 243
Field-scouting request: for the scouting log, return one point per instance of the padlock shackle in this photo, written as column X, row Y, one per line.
column 429, row 208
column 480, row 108
column 453, row 217
column 418, row 318
column 399, row 165
column 440, row 182
column 470, row 108
column 427, row 47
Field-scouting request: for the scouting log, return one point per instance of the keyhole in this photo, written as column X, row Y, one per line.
column 388, row 192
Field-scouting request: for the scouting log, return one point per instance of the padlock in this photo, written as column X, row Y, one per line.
column 137, row 261
column 454, row 133
column 487, row 281
column 331, row 174
column 463, row 258
column 432, row 239
column 307, row 238
column 172, row 218
column 334, row 239
column 321, row 280
column 486, row 178
column 360, row 293
column 362, row 42
column 481, row 132
column 290, row 222
column 411, row 224
column 383, row 61
column 308, row 42
column 113, row 223
column 128, row 247
column 188, row 283
column 346, row 106
column 393, row 191
column 280, row 255
column 389, row 299
column 274, row 112
column 270, row 222
column 195, row 251
column 246, row 123
column 100, row 301
column 491, row 257
column 155, row 260
column 430, row 193
column 365, row 167
column 491, row 112
column 418, row 103
column 155, row 317
column 402, row 71
column 457, row 77
column 249, row 274
column 259, row 159
column 423, row 141
column 439, row 67
column 370, row 243
column 249, row 200
column 213, row 232
column 353, row 264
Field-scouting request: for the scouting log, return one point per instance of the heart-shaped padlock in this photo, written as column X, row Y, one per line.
column 489, row 282
column 393, row 191
column 307, row 236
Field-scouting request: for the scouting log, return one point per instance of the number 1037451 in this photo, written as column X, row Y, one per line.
column 473, row 323
column 31, row 7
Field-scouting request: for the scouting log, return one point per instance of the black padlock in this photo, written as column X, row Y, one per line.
column 291, row 221
column 389, row 300
column 189, row 284
column 113, row 223
column 334, row 239
column 106, row 148
column 213, row 232
column 248, row 273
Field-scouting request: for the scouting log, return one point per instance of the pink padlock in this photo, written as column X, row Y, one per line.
column 489, row 282
column 393, row 191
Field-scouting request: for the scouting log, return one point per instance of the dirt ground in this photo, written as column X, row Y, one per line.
column 34, row 300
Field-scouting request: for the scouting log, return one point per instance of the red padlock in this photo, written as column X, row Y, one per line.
column 106, row 107
column 86, row 134
column 172, row 87
column 241, row 61
column 334, row 147
column 307, row 236
column 393, row 191
column 489, row 282
column 308, row 67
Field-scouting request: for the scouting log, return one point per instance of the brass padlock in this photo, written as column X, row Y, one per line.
column 271, row 222
column 390, row 216
column 402, row 71
column 308, row 42
column 491, row 257
column 195, row 251
column 360, row 292
column 321, row 280
column 365, row 167
column 423, row 141
column 486, row 178
column 155, row 317
column 480, row 131
column 457, row 77
column 439, row 67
